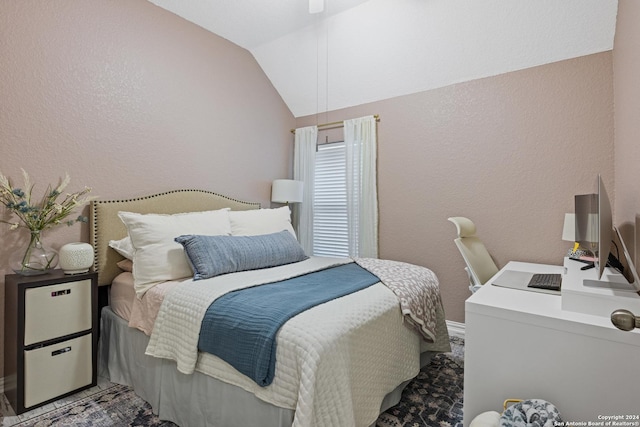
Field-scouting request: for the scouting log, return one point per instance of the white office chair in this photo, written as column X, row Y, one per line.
column 480, row 266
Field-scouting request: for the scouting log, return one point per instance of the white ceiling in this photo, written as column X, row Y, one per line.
column 360, row 51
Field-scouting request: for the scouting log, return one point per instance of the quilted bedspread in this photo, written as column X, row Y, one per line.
column 242, row 327
column 334, row 362
column 417, row 289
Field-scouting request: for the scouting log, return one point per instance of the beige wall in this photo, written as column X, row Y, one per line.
column 509, row 152
column 132, row 100
column 626, row 69
column 109, row 92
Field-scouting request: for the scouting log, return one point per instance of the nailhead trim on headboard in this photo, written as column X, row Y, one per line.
column 203, row 198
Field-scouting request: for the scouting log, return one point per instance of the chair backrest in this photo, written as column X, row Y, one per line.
column 480, row 265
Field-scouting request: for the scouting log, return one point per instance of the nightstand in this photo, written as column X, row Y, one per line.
column 50, row 337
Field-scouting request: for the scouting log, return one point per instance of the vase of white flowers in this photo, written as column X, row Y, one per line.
column 37, row 216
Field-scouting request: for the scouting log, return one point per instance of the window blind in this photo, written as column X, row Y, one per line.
column 330, row 226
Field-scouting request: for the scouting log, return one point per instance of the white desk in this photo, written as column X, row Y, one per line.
column 522, row 344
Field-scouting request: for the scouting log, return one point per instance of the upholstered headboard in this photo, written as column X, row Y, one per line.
column 105, row 225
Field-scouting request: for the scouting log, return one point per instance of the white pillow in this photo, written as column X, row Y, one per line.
column 123, row 247
column 158, row 257
column 261, row 221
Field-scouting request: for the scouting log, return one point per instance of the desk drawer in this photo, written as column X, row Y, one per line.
column 56, row 310
column 57, row 369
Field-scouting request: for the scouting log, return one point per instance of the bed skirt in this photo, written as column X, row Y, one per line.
column 188, row 400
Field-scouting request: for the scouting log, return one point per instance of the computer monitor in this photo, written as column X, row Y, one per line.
column 586, row 227
column 595, row 210
column 605, row 227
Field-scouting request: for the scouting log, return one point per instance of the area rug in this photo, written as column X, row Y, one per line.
column 115, row 406
column 433, row 398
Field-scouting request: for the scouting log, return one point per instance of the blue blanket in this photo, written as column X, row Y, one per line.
column 241, row 326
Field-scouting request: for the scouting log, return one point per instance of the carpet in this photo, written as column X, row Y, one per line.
column 117, row 405
column 433, row 399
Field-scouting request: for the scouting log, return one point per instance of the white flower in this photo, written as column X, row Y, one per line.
column 63, row 183
column 40, row 215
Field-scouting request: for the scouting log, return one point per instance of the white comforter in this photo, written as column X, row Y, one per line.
column 334, row 362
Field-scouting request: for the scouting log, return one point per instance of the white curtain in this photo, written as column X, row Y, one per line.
column 362, row 195
column 304, row 165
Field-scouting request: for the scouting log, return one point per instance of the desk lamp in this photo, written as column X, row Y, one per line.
column 569, row 235
column 569, row 232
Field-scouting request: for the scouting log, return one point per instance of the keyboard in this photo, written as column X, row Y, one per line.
column 551, row 282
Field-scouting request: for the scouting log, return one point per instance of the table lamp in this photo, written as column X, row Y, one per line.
column 286, row 191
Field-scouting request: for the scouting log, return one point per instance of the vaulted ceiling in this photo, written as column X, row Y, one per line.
column 360, row 51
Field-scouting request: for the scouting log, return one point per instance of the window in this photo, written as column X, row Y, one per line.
column 340, row 216
column 330, row 220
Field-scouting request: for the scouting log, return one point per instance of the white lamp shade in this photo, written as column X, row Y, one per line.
column 569, row 229
column 286, row 191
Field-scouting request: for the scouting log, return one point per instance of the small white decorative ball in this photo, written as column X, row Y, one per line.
column 75, row 258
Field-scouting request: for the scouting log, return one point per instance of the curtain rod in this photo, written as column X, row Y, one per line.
column 337, row 124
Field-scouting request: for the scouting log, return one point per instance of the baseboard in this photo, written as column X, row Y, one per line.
column 455, row 329
column 1, row 384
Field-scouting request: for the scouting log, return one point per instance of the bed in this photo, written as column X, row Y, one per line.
column 339, row 363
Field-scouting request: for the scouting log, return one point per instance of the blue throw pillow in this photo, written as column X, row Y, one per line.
column 211, row 256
